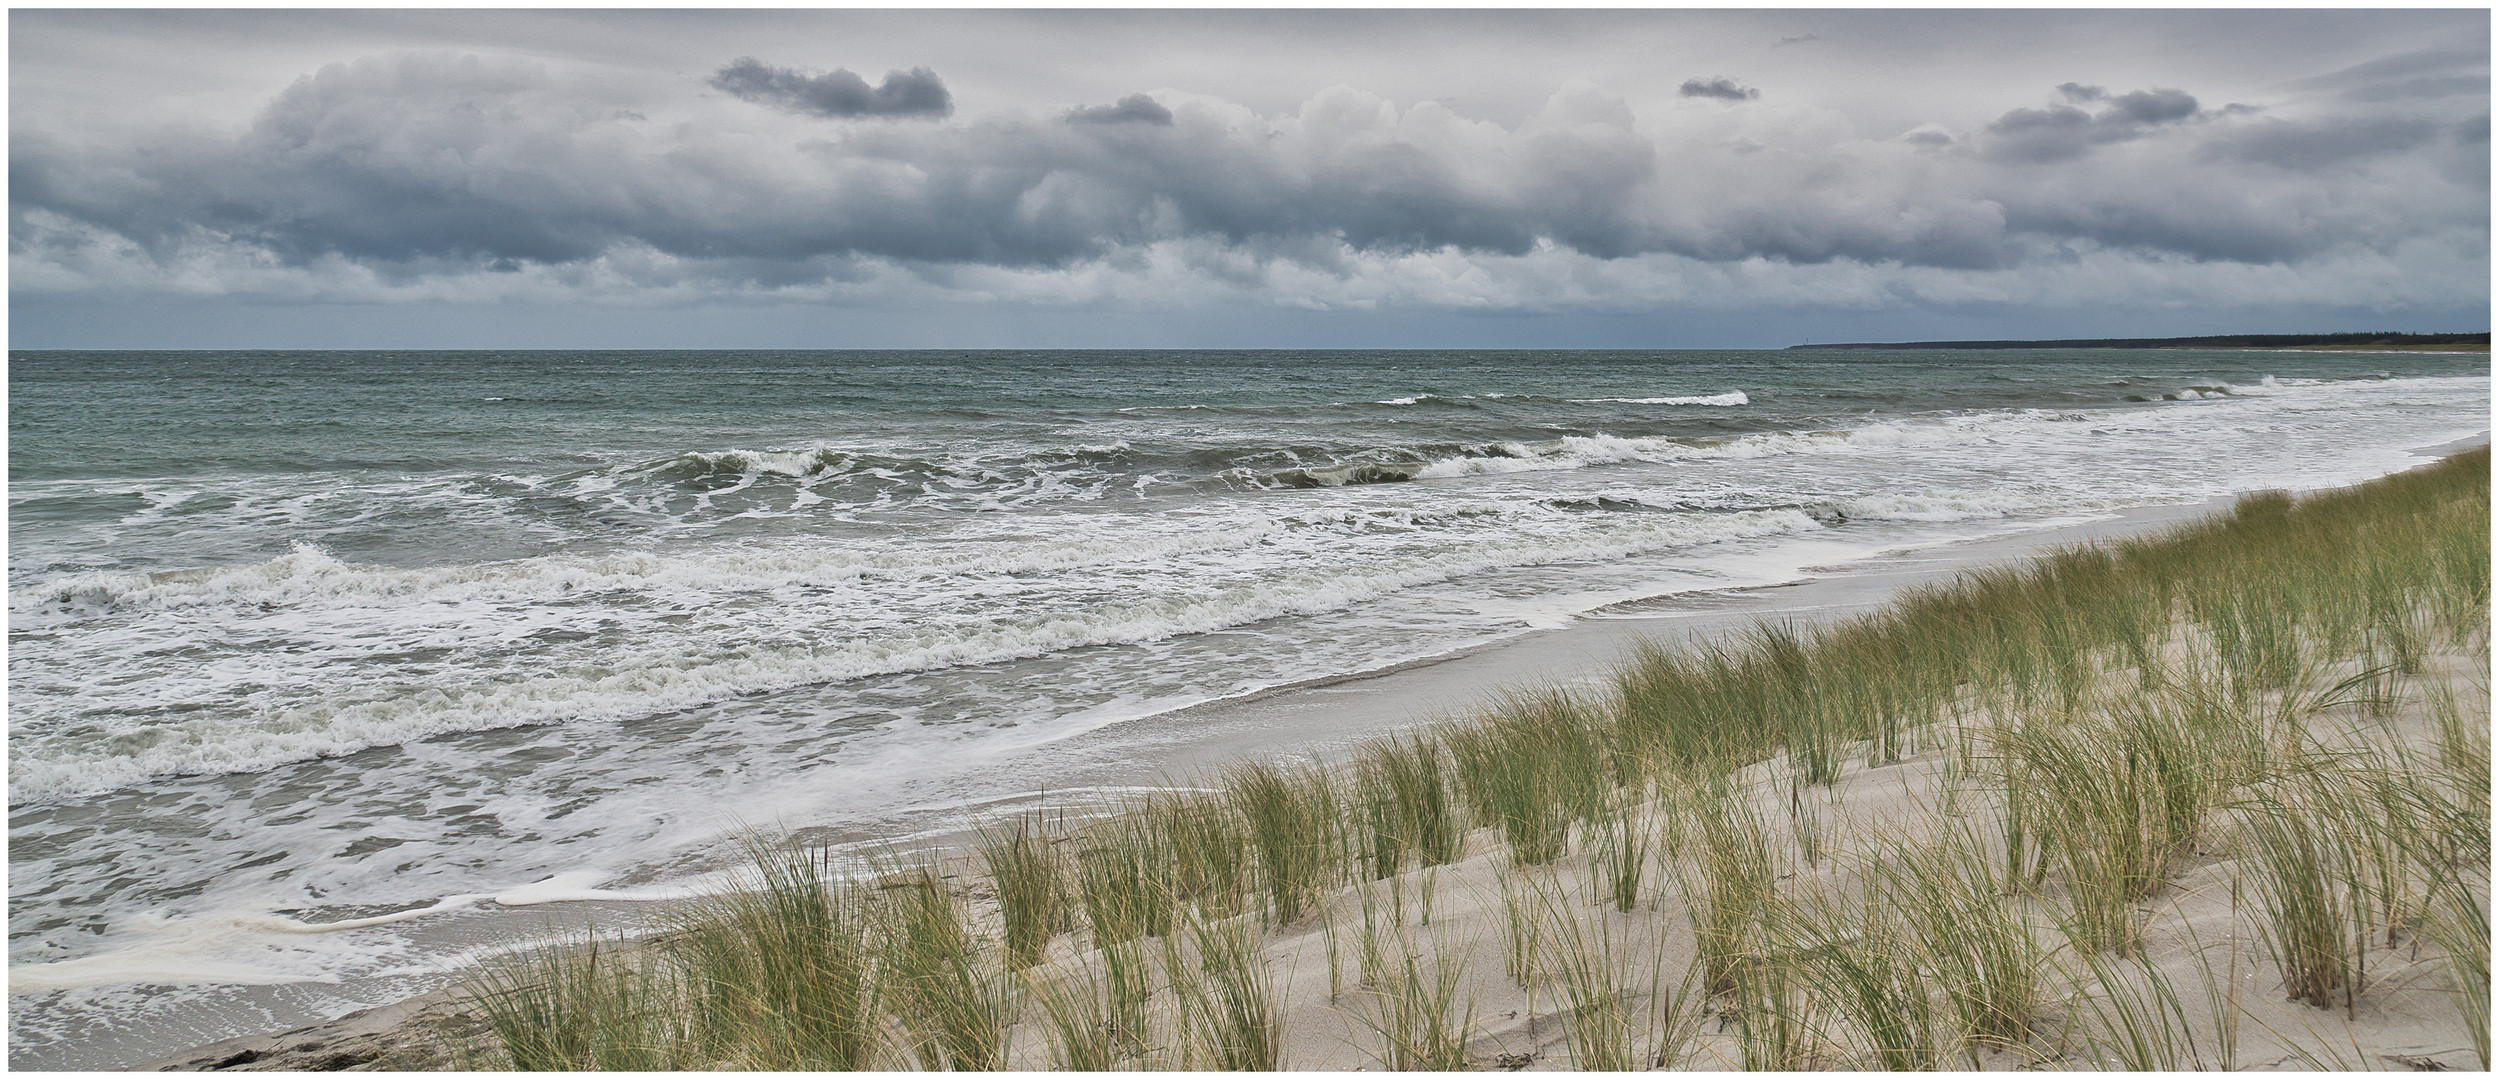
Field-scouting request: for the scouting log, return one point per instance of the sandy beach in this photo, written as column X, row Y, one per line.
column 2201, row 941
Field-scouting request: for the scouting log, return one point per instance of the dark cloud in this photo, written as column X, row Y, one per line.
column 2144, row 108
column 916, row 94
column 1721, row 87
column 1133, row 109
column 2065, row 132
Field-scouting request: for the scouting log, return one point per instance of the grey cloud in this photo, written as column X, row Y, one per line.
column 917, row 93
column 415, row 158
column 1133, row 109
column 2064, row 132
column 2148, row 107
column 416, row 163
column 1722, row 88
column 1796, row 40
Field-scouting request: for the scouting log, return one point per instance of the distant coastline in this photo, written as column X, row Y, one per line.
column 2352, row 342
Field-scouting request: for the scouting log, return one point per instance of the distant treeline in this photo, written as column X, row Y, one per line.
column 2223, row 341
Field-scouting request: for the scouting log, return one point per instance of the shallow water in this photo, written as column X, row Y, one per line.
column 358, row 643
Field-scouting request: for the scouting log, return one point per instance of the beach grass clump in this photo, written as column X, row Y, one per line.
column 1619, row 858
column 1402, row 792
column 2458, row 923
column 1538, row 764
column 1293, row 827
column 2454, row 789
column 1865, row 964
column 1123, row 869
column 1079, row 1015
column 956, row 1006
column 2111, row 800
column 1209, row 850
column 782, row 974
column 1728, row 881
column 1593, row 967
column 1775, row 1018
column 1977, row 947
column 779, row 973
column 1229, row 1016
column 586, row 1005
column 1507, row 789
column 1522, row 929
column 2135, row 1021
column 1413, row 993
column 2312, row 912
column 1031, row 879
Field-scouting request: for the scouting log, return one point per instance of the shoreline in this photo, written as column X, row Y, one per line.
column 1322, row 717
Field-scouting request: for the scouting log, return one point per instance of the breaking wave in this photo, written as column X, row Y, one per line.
column 1726, row 400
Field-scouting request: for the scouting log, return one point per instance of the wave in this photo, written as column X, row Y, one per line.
column 1726, row 400
column 630, row 680
column 1457, row 401
column 1343, row 475
column 1939, row 506
column 309, row 575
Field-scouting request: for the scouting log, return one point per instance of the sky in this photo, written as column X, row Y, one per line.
column 1239, row 179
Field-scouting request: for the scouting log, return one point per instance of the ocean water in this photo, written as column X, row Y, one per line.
column 320, row 662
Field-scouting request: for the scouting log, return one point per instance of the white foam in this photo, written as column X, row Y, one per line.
column 1941, row 506
column 1728, row 399
column 642, row 676
column 310, row 575
column 228, row 950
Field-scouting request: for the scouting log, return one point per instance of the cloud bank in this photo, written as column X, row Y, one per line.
column 449, row 175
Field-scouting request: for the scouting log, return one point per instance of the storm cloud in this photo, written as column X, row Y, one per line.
column 479, row 176
column 917, row 93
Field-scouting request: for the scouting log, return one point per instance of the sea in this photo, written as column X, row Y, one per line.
column 328, row 670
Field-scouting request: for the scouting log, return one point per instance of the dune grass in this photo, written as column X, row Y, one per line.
column 1974, row 943
column 1294, row 829
column 953, row 1002
column 1412, row 995
column 1031, row 879
column 1229, row 1016
column 2230, row 688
